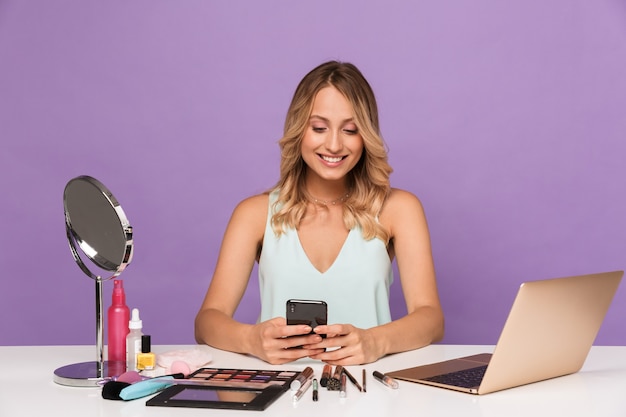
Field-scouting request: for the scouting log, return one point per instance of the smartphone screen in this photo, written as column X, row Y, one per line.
column 311, row 312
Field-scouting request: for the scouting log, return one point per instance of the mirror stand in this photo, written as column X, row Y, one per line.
column 90, row 374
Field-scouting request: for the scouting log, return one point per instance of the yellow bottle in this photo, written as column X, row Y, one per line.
column 146, row 360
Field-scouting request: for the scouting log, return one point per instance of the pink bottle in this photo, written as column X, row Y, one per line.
column 118, row 316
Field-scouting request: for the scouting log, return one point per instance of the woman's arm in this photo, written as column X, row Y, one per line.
column 215, row 325
column 424, row 323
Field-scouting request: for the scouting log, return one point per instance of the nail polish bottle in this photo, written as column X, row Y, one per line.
column 146, row 360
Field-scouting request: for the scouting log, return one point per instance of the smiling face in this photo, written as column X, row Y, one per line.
column 332, row 144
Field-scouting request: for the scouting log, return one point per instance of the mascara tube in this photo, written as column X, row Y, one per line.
column 301, row 379
column 300, row 392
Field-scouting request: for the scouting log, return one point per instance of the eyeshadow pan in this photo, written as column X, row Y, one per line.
column 244, row 378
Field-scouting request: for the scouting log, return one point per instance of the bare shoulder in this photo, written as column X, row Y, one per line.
column 254, row 203
column 252, row 211
column 400, row 200
column 401, row 208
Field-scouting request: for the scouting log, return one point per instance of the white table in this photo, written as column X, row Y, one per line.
column 599, row 389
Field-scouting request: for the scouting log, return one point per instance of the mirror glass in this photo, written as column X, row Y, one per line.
column 97, row 224
column 98, row 229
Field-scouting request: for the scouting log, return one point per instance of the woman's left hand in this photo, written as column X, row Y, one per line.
column 346, row 345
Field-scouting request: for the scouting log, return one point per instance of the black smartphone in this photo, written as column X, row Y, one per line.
column 311, row 312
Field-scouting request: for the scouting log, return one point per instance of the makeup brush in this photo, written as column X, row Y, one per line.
column 111, row 390
column 120, row 390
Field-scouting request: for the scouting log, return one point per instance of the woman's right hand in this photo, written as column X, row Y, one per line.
column 277, row 343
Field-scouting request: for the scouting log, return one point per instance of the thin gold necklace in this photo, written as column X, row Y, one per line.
column 331, row 202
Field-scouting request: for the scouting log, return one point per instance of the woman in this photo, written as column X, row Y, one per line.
column 329, row 231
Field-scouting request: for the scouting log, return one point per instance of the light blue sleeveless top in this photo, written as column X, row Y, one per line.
column 355, row 287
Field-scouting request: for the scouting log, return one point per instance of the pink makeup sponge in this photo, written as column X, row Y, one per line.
column 180, row 367
column 130, row 377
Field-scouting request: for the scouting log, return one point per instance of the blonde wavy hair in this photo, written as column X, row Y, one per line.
column 368, row 181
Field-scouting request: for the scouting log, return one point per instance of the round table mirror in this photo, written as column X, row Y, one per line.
column 98, row 230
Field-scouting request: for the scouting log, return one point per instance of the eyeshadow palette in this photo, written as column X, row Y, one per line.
column 243, row 378
column 240, row 389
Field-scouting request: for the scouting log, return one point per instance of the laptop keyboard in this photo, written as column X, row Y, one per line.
column 466, row 378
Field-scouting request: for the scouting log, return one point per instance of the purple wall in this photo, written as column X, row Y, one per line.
column 505, row 118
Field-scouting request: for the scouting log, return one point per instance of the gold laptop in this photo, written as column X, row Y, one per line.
column 548, row 333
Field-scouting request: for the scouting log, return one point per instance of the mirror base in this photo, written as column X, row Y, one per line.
column 85, row 374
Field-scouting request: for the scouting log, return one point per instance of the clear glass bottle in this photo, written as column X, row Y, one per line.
column 133, row 340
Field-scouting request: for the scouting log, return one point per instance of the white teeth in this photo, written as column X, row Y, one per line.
column 330, row 159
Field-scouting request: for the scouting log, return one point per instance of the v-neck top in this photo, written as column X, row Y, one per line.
column 355, row 287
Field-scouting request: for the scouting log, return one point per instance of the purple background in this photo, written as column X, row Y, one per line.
column 506, row 118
